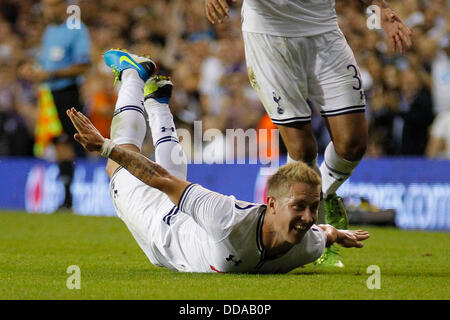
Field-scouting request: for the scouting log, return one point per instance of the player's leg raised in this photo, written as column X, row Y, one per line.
column 168, row 152
column 128, row 125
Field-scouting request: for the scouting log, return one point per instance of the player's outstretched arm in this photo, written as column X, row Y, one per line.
column 398, row 34
column 346, row 238
column 217, row 10
column 137, row 164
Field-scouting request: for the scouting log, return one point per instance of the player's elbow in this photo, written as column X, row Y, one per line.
column 162, row 183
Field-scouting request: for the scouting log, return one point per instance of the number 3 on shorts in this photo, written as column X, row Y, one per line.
column 356, row 76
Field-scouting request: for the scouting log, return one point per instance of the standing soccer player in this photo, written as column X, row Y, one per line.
column 183, row 226
column 297, row 56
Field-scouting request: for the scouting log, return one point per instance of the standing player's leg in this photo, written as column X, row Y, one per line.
column 336, row 89
column 300, row 142
column 168, row 152
column 349, row 140
column 301, row 146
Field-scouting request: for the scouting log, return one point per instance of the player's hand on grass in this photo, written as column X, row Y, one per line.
column 351, row 238
column 398, row 34
column 88, row 135
column 217, row 10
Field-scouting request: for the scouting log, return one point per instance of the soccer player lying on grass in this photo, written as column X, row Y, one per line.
column 183, row 226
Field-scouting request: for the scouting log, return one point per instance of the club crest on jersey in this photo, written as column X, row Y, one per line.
column 277, row 99
column 236, row 262
column 115, row 192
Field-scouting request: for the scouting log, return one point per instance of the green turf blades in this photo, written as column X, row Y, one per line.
column 38, row 249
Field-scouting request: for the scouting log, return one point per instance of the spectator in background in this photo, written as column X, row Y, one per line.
column 385, row 99
column 16, row 102
column 200, row 56
column 439, row 142
column 100, row 100
column 440, row 73
column 414, row 116
column 16, row 136
column 64, row 57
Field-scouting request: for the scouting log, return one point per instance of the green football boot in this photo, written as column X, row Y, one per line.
column 158, row 88
column 330, row 258
column 335, row 212
column 337, row 217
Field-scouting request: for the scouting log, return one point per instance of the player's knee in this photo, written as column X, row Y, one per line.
column 303, row 151
column 351, row 149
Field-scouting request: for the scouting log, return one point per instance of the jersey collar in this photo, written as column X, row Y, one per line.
column 259, row 227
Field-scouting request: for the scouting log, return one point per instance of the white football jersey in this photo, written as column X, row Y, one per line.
column 290, row 18
column 211, row 232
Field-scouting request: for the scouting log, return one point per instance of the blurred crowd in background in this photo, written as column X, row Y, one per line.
column 408, row 97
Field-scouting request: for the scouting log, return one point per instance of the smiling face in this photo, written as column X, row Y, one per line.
column 293, row 196
column 296, row 212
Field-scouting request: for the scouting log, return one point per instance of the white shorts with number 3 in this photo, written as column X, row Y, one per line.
column 290, row 74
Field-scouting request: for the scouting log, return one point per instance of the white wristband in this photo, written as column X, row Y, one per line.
column 107, row 147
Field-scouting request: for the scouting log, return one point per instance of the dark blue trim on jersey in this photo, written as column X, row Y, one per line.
column 346, row 110
column 134, row 108
column 259, row 226
column 243, row 208
column 166, row 139
column 184, row 195
column 115, row 171
column 167, row 216
column 259, row 241
column 290, row 120
column 172, row 215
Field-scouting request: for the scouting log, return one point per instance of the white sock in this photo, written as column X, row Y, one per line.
column 335, row 170
column 128, row 124
column 168, row 152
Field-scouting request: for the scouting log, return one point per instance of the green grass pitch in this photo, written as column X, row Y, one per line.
column 36, row 251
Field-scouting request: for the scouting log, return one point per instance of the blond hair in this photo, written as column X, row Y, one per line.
column 294, row 172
